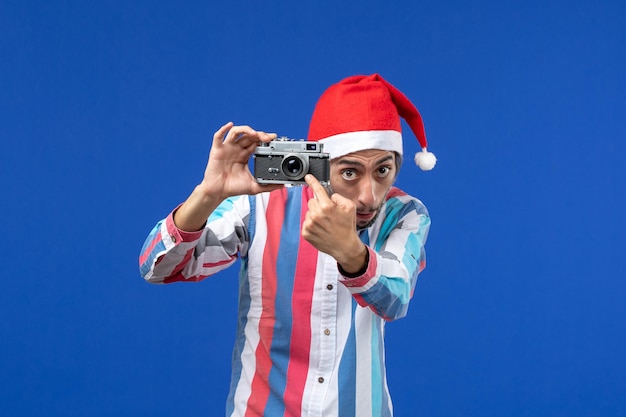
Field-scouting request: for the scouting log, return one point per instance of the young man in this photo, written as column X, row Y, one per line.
column 321, row 272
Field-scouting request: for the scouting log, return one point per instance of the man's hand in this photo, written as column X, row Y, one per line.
column 330, row 226
column 226, row 175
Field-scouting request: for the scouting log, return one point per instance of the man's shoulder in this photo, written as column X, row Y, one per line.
column 396, row 193
column 397, row 197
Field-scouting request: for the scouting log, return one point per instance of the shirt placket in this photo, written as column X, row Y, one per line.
column 327, row 335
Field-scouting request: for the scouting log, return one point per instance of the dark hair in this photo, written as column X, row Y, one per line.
column 398, row 163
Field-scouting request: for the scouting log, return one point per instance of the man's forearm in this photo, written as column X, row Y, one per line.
column 192, row 215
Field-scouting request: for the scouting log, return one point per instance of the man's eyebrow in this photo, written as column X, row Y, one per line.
column 347, row 161
column 385, row 159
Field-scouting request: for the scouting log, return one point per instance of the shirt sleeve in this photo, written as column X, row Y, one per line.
column 396, row 257
column 170, row 254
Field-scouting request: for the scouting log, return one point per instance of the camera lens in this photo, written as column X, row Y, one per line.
column 292, row 167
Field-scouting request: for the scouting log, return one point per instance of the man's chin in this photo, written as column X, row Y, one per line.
column 363, row 221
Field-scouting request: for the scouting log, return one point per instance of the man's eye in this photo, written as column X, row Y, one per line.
column 348, row 174
column 384, row 171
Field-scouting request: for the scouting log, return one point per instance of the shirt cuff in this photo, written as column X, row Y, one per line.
column 361, row 278
column 177, row 235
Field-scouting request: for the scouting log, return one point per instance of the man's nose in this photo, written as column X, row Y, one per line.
column 367, row 195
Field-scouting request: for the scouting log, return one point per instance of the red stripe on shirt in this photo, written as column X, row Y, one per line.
column 146, row 254
column 260, row 383
column 214, row 264
column 178, row 276
column 302, row 298
column 395, row 192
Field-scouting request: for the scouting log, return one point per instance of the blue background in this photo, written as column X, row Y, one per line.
column 107, row 114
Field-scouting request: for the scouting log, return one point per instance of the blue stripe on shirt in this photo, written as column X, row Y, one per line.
column 157, row 249
column 347, row 371
column 376, row 371
column 240, row 338
column 224, row 207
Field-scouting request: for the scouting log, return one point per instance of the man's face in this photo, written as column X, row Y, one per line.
column 365, row 178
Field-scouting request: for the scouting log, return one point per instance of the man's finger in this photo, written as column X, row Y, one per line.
column 218, row 137
column 238, row 132
column 266, row 137
column 318, row 189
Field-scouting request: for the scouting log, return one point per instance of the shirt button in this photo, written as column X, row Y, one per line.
column 173, row 238
column 327, row 332
column 329, row 287
column 320, row 380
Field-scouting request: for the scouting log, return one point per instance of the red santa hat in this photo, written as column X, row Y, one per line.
column 363, row 112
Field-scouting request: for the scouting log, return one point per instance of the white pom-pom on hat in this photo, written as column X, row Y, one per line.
column 425, row 160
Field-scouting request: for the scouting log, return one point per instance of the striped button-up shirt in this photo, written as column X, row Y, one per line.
column 310, row 341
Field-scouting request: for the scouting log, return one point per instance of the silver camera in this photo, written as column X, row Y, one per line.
column 287, row 161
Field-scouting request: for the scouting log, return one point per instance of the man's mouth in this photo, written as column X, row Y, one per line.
column 365, row 216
